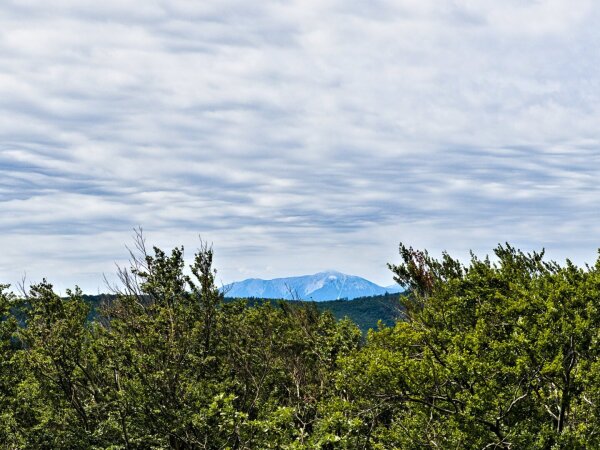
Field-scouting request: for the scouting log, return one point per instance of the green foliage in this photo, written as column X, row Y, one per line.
column 500, row 354
column 8, row 372
column 489, row 355
column 165, row 363
column 365, row 312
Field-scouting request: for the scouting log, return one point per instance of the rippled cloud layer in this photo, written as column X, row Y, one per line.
column 297, row 136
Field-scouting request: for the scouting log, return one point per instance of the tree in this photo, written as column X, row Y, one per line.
column 159, row 336
column 8, row 370
column 489, row 355
column 57, row 397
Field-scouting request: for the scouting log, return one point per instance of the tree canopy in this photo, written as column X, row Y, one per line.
column 498, row 352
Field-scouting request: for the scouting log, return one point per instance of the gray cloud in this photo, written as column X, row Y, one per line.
column 297, row 136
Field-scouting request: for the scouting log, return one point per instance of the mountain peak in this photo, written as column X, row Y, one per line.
column 326, row 285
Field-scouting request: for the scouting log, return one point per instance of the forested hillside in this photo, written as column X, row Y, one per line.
column 502, row 354
column 366, row 312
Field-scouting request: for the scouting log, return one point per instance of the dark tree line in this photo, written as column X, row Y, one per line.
column 501, row 354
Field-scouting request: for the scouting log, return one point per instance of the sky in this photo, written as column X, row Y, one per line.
column 295, row 136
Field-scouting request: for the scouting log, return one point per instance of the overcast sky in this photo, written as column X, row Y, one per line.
column 296, row 136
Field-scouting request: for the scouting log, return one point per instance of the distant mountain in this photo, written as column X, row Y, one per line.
column 330, row 285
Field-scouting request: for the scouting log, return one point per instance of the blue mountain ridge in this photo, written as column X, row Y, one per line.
column 329, row 285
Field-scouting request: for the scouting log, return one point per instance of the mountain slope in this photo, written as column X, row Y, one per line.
column 330, row 285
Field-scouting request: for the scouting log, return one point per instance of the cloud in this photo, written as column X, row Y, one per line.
column 297, row 136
